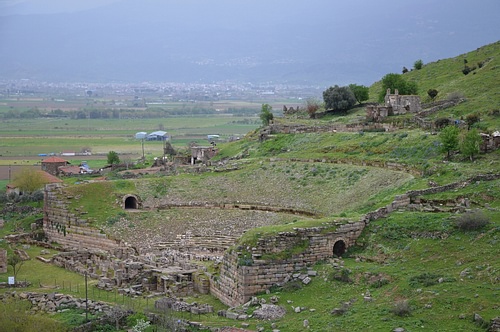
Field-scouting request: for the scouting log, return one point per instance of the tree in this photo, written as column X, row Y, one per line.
column 266, row 115
column 16, row 262
column 470, row 119
column 29, row 180
column 418, row 64
column 432, row 93
column 312, row 106
column 449, row 140
column 469, row 143
column 361, row 92
column 113, row 158
column 116, row 314
column 339, row 98
column 396, row 81
column 405, row 70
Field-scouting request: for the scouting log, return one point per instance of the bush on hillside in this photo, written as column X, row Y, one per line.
column 418, row 64
column 432, row 93
column 494, row 112
column 402, row 308
column 472, row 118
column 440, row 123
column 292, row 286
column 425, row 279
column 472, row 220
column 342, row 275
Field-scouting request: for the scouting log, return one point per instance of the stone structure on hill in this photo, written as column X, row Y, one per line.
column 490, row 142
column 201, row 154
column 394, row 104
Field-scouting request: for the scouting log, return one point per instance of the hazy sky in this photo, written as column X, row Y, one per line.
column 8, row 7
column 337, row 41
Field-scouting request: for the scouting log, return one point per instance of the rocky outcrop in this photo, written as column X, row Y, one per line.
column 56, row 302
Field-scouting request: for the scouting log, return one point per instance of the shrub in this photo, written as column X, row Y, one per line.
column 379, row 283
column 418, row 64
column 13, row 197
column 37, row 196
column 424, row 279
column 402, row 308
column 442, row 122
column 472, row 118
column 312, row 106
column 134, row 318
column 292, row 286
column 472, row 220
column 494, row 112
column 3, row 197
column 246, row 260
column 342, row 275
column 432, row 93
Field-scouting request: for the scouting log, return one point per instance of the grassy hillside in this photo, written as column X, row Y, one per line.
column 479, row 86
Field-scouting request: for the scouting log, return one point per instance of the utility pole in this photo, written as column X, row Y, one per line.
column 142, row 141
column 86, row 300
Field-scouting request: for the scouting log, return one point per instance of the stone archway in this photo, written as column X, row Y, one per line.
column 131, row 202
column 339, row 248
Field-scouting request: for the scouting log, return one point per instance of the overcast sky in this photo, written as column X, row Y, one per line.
column 337, row 41
column 9, row 7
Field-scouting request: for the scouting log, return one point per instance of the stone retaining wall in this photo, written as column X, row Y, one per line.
column 245, row 273
column 68, row 229
column 276, row 128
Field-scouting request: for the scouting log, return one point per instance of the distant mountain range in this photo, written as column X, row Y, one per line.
column 315, row 42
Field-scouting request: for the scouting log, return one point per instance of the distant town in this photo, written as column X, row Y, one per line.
column 148, row 93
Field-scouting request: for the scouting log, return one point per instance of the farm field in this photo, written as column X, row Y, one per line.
column 25, row 142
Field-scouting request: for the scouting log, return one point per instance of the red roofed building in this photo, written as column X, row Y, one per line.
column 51, row 165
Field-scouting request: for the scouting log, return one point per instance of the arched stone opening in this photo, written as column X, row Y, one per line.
column 339, row 248
column 131, row 202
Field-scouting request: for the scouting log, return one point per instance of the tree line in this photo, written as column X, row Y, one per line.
column 149, row 113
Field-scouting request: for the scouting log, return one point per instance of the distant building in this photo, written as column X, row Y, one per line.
column 141, row 135
column 68, row 153
column 74, row 170
column 157, row 136
column 213, row 137
column 202, row 153
column 51, row 165
column 394, row 104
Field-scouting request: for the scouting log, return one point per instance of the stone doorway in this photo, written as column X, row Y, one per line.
column 339, row 248
column 131, row 202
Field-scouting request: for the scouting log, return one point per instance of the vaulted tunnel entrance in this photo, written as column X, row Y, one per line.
column 131, row 203
column 339, row 248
